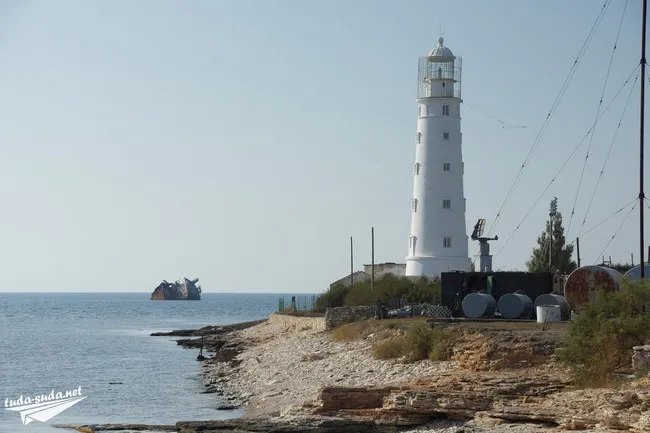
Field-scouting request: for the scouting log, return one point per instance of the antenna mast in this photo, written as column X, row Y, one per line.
column 641, row 132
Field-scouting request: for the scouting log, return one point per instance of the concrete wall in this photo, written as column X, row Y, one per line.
column 338, row 316
column 298, row 323
column 381, row 269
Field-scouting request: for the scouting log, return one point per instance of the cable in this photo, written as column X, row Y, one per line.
column 600, row 104
column 555, row 104
column 505, row 125
column 575, row 150
column 617, row 230
column 607, row 219
column 609, row 151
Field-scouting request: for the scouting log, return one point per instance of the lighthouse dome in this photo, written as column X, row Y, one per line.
column 440, row 50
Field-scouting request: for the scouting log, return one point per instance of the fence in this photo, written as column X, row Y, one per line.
column 297, row 303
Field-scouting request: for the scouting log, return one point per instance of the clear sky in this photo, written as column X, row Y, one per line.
column 245, row 141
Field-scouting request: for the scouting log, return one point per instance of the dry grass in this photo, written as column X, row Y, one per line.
column 394, row 347
column 420, row 342
column 352, row 331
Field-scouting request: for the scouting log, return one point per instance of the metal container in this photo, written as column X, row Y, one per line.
column 635, row 273
column 553, row 299
column 548, row 313
column 479, row 304
column 584, row 283
column 515, row 306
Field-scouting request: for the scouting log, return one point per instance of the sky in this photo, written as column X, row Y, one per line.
column 245, row 141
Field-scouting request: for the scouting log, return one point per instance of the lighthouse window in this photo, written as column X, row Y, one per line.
column 446, row 204
column 445, row 136
column 418, row 137
column 446, row 166
column 416, row 168
column 446, row 242
column 445, row 110
column 412, row 244
column 414, row 204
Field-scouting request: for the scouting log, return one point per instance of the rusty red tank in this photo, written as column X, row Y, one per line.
column 583, row 284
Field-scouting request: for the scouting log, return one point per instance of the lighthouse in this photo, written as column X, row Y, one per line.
column 438, row 239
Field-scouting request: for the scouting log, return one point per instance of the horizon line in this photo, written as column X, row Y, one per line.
column 215, row 293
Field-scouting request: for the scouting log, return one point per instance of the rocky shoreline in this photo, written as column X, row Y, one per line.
column 290, row 376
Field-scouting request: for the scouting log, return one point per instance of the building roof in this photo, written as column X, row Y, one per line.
column 440, row 50
column 361, row 274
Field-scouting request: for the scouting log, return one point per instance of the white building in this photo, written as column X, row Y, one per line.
column 438, row 241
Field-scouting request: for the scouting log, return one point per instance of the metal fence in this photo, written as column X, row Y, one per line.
column 296, row 303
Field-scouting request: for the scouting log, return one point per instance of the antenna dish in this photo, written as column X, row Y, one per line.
column 478, row 229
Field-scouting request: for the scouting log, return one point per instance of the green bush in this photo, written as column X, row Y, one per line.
column 333, row 297
column 601, row 338
column 387, row 287
column 419, row 339
column 442, row 343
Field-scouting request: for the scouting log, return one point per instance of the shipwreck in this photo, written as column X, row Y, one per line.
column 180, row 290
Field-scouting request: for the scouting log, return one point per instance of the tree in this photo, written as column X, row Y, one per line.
column 621, row 267
column 562, row 253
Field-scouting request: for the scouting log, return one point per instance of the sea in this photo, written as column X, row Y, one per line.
column 99, row 344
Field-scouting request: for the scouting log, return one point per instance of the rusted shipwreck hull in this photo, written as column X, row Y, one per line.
column 186, row 290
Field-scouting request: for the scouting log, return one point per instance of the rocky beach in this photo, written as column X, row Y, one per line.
column 289, row 374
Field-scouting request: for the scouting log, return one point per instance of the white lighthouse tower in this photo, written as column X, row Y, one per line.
column 438, row 241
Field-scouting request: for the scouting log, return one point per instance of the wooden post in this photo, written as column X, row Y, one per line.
column 351, row 263
column 550, row 245
column 372, row 263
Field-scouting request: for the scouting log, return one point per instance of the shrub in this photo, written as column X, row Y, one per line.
column 333, row 297
column 604, row 332
column 421, row 342
column 394, row 347
column 419, row 339
column 387, row 287
column 350, row 331
column 442, row 344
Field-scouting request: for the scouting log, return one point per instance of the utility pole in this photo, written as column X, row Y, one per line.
column 641, row 132
column 351, row 263
column 578, row 250
column 551, row 213
column 372, row 263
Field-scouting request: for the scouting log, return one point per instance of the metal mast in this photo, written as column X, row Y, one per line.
column 641, row 132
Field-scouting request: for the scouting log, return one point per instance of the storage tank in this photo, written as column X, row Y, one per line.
column 635, row 273
column 553, row 299
column 548, row 313
column 583, row 284
column 515, row 305
column 479, row 304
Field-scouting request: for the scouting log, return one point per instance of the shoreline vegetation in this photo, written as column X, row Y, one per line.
column 415, row 375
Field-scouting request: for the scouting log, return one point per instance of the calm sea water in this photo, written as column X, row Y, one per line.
column 63, row 341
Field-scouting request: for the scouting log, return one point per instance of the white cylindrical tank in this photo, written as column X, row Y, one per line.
column 548, row 313
column 515, row 306
column 553, row 299
column 635, row 273
column 479, row 304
